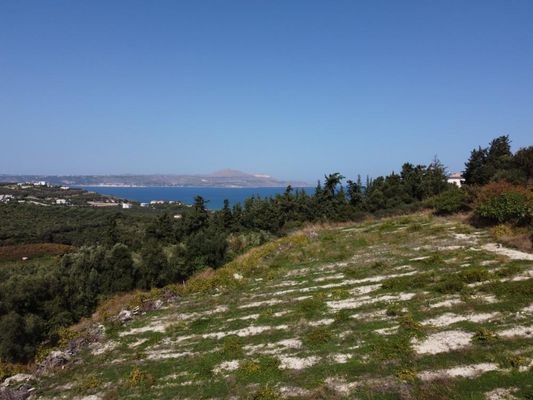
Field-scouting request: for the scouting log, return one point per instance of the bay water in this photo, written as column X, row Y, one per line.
column 214, row 196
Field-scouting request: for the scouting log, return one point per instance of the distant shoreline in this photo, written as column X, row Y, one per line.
column 214, row 196
column 187, row 186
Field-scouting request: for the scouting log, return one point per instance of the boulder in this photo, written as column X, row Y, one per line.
column 125, row 316
column 22, row 392
column 56, row 359
column 16, row 379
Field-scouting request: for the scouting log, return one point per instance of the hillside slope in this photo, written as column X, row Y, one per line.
column 411, row 308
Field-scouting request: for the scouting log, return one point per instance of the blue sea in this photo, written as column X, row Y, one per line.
column 214, row 196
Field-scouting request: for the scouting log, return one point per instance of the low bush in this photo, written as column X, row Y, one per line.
column 450, row 284
column 140, row 377
column 318, row 336
column 484, row 335
column 474, row 274
column 501, row 202
column 450, row 201
column 313, row 307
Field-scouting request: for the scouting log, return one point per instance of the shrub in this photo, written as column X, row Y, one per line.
column 474, row 274
column 450, row 201
column 484, row 335
column 513, row 361
column 501, row 231
column 249, row 367
column 7, row 370
column 139, row 377
column 312, row 307
column 450, row 284
column 318, row 336
column 406, row 375
column 501, row 202
column 266, row 393
column 411, row 326
column 342, row 316
column 232, row 346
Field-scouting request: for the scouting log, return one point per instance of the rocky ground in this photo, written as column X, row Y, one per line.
column 410, row 308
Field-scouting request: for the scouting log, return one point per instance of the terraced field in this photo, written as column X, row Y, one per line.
column 410, row 308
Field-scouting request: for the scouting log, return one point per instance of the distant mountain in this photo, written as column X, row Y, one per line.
column 224, row 178
column 228, row 173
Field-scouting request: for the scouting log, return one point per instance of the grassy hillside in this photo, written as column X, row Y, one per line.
column 410, row 308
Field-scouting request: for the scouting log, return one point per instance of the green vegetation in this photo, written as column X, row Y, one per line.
column 501, row 202
column 497, row 162
column 498, row 189
column 77, row 257
column 451, row 201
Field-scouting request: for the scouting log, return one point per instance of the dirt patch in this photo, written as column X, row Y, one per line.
column 245, row 318
column 517, row 331
column 419, row 258
column 501, row 394
column 163, row 355
column 442, row 342
column 321, row 322
column 512, row 254
column 387, row 331
column 274, row 348
column 450, row 302
column 465, row 371
column 291, row 391
column 297, row 362
column 155, row 326
column 364, row 300
column 249, row 331
column 226, row 366
column 527, row 310
column 340, row 358
column 261, row 303
column 450, row 318
column 102, row 348
column 341, row 386
column 329, row 278
column 488, row 298
column 137, row 343
column 365, row 289
column 286, row 284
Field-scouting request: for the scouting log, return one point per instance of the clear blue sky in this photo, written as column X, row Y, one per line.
column 291, row 88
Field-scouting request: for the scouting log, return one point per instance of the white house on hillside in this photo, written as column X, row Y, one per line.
column 456, row 178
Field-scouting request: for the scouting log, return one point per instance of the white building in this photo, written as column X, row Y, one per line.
column 61, row 201
column 456, row 178
column 126, row 205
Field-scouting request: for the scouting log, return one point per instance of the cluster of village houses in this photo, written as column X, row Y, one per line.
column 5, row 198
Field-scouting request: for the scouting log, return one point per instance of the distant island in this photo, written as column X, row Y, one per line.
column 226, row 178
